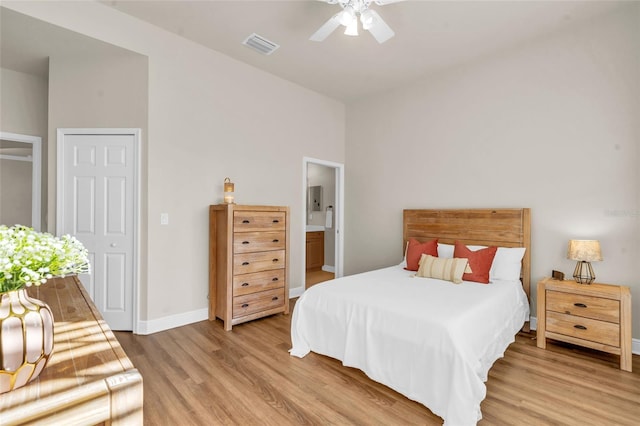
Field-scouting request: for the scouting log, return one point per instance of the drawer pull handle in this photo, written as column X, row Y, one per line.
column 245, row 305
column 275, row 260
column 580, row 305
column 274, row 298
column 276, row 221
column 275, row 241
column 245, row 284
column 245, row 221
column 580, row 327
column 274, row 279
column 245, row 242
column 245, row 263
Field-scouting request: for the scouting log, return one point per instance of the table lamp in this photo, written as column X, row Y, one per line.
column 585, row 252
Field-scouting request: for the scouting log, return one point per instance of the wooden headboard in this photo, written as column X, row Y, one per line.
column 485, row 227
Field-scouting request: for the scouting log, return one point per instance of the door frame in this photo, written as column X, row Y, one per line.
column 137, row 136
column 36, row 172
column 338, row 214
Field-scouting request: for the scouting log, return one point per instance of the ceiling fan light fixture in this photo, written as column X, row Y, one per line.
column 352, row 12
column 366, row 17
column 347, row 16
column 352, row 28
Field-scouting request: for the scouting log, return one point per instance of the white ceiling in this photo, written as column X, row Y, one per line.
column 430, row 36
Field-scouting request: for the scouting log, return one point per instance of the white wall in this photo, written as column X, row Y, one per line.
column 105, row 89
column 23, row 103
column 553, row 125
column 209, row 117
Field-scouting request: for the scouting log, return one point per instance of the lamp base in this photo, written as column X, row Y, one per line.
column 583, row 273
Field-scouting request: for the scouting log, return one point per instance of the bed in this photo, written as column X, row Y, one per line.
column 431, row 340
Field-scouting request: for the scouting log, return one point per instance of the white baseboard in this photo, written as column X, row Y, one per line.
column 328, row 268
column 178, row 320
column 172, row 321
column 533, row 323
column 295, row 292
column 635, row 343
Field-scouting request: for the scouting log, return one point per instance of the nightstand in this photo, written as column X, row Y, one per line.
column 596, row 316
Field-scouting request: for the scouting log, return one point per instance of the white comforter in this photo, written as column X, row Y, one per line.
column 431, row 340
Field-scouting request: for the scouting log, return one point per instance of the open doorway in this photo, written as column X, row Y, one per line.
column 20, row 186
column 323, row 199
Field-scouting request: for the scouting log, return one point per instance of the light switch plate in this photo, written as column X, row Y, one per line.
column 164, row 218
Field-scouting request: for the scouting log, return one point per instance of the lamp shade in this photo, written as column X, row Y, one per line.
column 584, row 250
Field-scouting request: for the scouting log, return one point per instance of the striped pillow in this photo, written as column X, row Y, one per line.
column 449, row 269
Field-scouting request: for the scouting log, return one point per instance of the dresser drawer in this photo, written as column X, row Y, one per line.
column 250, row 221
column 258, row 281
column 247, row 242
column 246, row 263
column 584, row 306
column 257, row 302
column 584, row 328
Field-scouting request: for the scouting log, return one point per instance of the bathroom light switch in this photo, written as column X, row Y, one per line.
column 164, row 218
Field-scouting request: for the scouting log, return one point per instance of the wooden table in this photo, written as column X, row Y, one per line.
column 597, row 316
column 89, row 379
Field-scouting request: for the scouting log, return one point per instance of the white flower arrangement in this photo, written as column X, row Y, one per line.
column 29, row 258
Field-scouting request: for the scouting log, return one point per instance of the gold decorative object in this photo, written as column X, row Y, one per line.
column 228, row 191
column 26, row 338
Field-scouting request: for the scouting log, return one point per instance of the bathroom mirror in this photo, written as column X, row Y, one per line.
column 314, row 200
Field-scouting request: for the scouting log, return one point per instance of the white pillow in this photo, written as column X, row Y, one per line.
column 404, row 259
column 506, row 264
column 445, row 250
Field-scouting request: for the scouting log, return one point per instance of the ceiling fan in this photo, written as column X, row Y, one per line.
column 348, row 16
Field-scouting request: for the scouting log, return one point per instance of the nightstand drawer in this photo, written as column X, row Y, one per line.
column 584, row 328
column 584, row 306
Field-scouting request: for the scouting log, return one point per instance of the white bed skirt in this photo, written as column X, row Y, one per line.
column 433, row 341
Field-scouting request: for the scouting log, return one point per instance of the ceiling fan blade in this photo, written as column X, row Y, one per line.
column 379, row 29
column 326, row 29
column 383, row 2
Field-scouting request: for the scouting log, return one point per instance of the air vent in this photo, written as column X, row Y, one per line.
column 260, row 44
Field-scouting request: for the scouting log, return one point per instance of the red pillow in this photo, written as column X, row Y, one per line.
column 415, row 249
column 480, row 261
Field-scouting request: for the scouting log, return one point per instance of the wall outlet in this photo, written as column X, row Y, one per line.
column 164, row 218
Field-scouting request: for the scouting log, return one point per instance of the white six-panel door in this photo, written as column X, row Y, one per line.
column 97, row 203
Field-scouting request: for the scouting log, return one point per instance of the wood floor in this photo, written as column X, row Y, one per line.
column 315, row 277
column 201, row 375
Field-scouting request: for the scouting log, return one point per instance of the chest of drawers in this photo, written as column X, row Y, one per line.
column 248, row 262
column 597, row 316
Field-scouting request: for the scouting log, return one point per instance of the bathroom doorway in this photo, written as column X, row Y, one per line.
column 323, row 218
